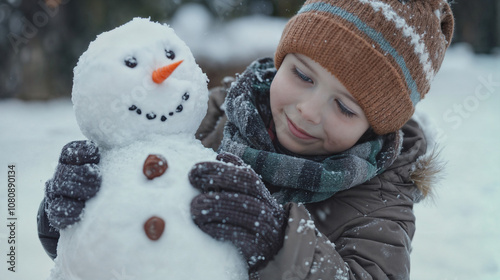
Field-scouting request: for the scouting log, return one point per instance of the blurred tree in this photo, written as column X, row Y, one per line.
column 478, row 24
column 236, row 8
column 287, row 8
column 40, row 41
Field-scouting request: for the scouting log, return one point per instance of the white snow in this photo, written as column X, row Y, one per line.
column 235, row 41
column 457, row 231
column 438, row 13
column 111, row 239
column 305, row 225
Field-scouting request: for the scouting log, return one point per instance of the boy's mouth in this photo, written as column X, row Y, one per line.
column 298, row 132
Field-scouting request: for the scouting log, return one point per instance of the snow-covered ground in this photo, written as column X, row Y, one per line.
column 458, row 232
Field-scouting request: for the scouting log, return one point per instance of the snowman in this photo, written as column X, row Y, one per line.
column 140, row 96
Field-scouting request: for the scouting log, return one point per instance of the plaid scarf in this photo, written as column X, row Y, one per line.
column 294, row 178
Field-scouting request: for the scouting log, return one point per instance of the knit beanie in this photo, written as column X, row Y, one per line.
column 385, row 52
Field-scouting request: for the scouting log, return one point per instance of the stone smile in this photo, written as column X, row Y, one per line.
column 153, row 115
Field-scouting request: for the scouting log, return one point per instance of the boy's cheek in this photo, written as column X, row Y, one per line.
column 274, row 96
column 280, row 91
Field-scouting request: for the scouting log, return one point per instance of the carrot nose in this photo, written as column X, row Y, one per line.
column 161, row 74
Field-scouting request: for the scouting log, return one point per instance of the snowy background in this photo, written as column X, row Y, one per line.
column 458, row 232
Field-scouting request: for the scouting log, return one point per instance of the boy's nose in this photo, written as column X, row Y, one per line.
column 310, row 110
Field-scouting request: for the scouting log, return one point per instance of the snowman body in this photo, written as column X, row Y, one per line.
column 138, row 92
column 110, row 242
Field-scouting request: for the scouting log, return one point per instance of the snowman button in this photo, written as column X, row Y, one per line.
column 154, row 228
column 154, row 166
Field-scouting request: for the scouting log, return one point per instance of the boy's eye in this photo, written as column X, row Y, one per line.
column 131, row 62
column 302, row 76
column 170, row 54
column 344, row 110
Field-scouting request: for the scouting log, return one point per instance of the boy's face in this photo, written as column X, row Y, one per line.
column 313, row 112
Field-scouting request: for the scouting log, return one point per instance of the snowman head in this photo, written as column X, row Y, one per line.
column 136, row 81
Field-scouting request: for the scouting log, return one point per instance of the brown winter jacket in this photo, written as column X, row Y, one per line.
column 361, row 233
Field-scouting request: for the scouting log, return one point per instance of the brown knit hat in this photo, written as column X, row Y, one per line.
column 385, row 52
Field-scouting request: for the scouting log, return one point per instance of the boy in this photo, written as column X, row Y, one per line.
column 326, row 126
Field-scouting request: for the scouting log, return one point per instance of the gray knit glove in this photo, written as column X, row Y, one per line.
column 236, row 206
column 77, row 179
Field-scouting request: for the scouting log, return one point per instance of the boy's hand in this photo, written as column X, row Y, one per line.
column 236, row 206
column 77, row 179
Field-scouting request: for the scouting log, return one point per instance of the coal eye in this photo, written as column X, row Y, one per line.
column 170, row 54
column 131, row 62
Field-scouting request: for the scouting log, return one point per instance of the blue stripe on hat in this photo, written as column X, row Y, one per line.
column 374, row 35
